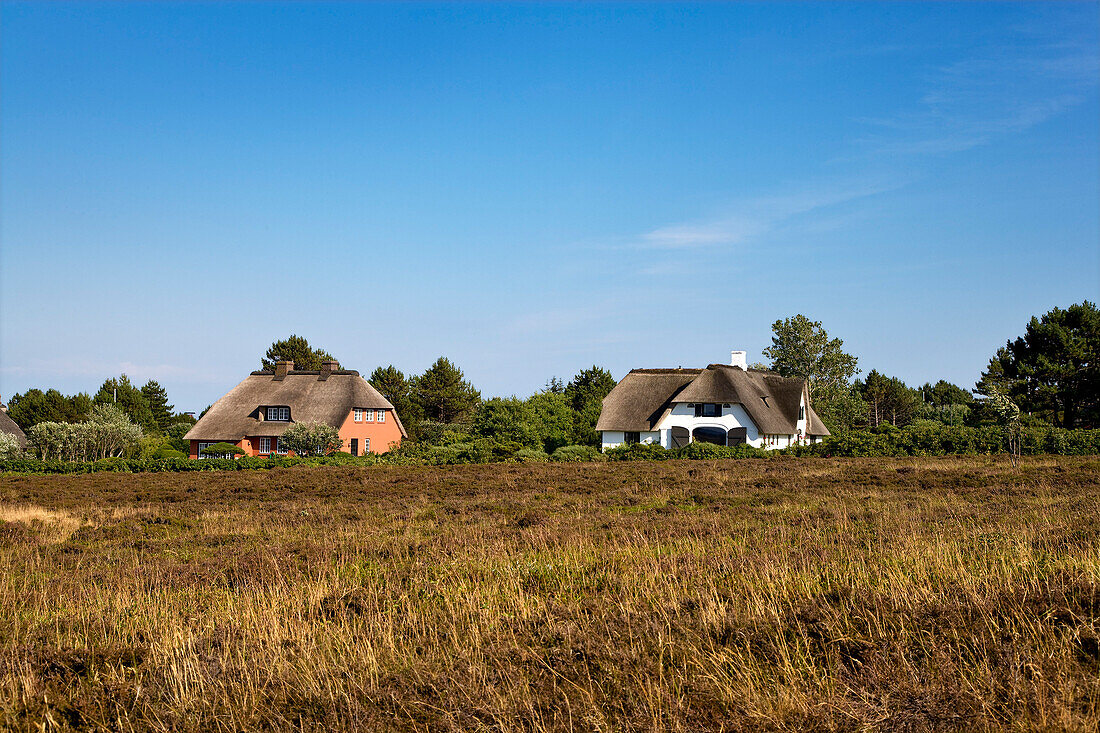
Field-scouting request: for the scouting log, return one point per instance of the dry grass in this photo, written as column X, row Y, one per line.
column 909, row 594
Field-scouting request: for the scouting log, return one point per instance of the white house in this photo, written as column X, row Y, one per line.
column 726, row 404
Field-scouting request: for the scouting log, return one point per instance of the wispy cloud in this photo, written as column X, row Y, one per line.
column 976, row 100
column 743, row 222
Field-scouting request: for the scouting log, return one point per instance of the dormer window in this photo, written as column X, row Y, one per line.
column 801, row 412
column 708, row 410
column 278, row 414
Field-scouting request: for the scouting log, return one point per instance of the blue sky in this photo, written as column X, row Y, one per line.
column 533, row 189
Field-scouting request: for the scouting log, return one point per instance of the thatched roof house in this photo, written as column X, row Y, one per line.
column 262, row 407
column 724, row 403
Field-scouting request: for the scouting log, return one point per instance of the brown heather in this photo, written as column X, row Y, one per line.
column 753, row 595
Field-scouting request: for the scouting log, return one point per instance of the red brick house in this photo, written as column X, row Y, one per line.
column 257, row 411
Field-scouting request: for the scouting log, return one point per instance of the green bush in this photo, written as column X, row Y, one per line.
column 576, row 454
column 222, row 450
column 531, row 455
column 700, row 450
column 639, row 452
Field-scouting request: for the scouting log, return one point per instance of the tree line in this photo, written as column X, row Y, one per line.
column 1050, row 376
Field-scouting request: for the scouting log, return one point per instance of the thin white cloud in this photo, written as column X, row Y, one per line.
column 976, row 100
column 746, row 221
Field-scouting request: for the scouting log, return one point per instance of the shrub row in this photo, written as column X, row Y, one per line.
column 923, row 438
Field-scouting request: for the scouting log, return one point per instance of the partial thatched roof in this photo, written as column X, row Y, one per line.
column 644, row 396
column 309, row 397
column 7, row 425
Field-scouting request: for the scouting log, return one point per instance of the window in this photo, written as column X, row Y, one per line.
column 202, row 448
column 279, row 414
column 801, row 412
column 265, row 445
column 633, row 438
column 366, row 446
column 355, row 446
column 381, row 415
column 708, row 410
column 358, row 414
column 370, row 415
column 279, row 447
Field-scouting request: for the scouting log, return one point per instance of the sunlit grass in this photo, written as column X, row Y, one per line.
column 917, row 594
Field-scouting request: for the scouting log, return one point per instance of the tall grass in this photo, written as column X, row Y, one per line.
column 909, row 594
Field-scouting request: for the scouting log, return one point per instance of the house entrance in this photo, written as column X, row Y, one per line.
column 717, row 436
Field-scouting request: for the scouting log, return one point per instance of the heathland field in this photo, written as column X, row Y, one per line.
column 783, row 594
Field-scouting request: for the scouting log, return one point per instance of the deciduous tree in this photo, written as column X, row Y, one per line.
column 311, row 439
column 801, row 348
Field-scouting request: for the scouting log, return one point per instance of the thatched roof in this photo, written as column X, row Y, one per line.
column 7, row 425
column 644, row 396
column 310, row 398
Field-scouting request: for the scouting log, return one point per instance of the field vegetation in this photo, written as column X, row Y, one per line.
column 788, row 594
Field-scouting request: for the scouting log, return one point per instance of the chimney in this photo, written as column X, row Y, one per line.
column 739, row 359
column 327, row 368
column 281, row 369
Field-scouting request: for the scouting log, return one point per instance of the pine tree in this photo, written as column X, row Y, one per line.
column 157, row 397
column 443, row 394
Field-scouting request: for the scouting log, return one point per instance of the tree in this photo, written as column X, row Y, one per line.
column 443, row 394
column 1007, row 414
column 296, row 349
column 843, row 411
column 584, row 394
column 107, row 432
column 552, row 418
column 1053, row 370
column 507, row 421
column 157, row 399
column 10, row 447
column 943, row 393
column 395, row 387
column 311, row 439
column 128, row 398
column 887, row 399
column 801, row 348
column 36, row 406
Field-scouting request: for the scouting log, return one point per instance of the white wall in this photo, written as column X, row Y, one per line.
column 683, row 416
column 733, row 416
column 615, row 438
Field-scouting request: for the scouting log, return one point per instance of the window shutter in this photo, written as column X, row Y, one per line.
column 680, row 437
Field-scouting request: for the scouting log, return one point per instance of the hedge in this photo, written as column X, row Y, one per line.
column 920, row 439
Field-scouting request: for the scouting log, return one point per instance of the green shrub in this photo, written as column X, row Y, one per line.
column 222, row 450
column 701, row 450
column 639, row 452
column 576, row 454
column 531, row 455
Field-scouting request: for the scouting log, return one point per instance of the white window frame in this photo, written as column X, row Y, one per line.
column 369, row 415
column 265, row 445
column 200, row 454
column 366, row 446
column 279, row 449
column 357, row 414
column 381, row 415
column 278, row 414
